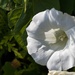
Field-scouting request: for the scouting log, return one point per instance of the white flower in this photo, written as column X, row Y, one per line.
column 51, row 39
column 60, row 73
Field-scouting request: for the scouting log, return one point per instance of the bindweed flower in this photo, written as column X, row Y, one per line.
column 51, row 39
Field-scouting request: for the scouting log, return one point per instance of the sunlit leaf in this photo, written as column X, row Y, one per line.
column 10, row 46
column 17, row 54
column 18, row 38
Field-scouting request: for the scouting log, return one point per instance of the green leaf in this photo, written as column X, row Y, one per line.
column 20, row 27
column 24, row 37
column 3, row 3
column 67, row 6
column 13, row 16
column 3, row 23
column 17, row 54
column 23, row 20
column 34, row 69
column 3, row 16
column 8, row 69
column 18, row 1
column 7, row 4
column 10, row 46
column 19, row 72
column 39, row 5
column 18, row 38
column 23, row 53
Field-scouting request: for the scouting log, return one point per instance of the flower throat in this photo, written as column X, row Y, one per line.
column 56, row 38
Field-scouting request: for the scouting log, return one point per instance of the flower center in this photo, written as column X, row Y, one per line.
column 60, row 35
column 56, row 38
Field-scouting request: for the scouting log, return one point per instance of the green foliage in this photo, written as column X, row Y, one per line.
column 3, row 23
column 45, row 4
column 8, row 69
column 15, row 16
column 67, row 6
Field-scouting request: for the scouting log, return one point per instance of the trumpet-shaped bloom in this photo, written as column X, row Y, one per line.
column 51, row 39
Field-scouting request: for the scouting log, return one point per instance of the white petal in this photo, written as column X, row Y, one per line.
column 54, row 62
column 63, row 21
column 40, row 24
column 71, row 35
column 34, row 32
column 38, row 51
column 65, row 58
column 33, row 45
column 61, row 60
